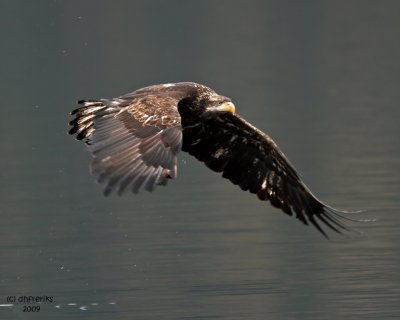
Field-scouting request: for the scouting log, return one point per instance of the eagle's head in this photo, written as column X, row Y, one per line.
column 205, row 104
column 218, row 103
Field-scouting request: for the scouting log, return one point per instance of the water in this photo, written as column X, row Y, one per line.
column 320, row 77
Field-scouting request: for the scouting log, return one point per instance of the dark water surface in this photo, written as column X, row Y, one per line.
column 321, row 77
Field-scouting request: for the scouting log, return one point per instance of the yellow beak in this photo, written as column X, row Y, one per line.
column 225, row 107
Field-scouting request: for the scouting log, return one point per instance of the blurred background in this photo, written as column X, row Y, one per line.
column 321, row 77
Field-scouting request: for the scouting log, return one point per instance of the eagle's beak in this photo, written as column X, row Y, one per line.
column 224, row 107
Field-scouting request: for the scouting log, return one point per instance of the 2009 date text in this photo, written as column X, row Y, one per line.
column 31, row 309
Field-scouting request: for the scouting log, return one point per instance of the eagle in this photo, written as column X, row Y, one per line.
column 134, row 141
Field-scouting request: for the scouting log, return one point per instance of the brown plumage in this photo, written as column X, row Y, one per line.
column 134, row 140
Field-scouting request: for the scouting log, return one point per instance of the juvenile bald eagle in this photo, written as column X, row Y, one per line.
column 134, row 140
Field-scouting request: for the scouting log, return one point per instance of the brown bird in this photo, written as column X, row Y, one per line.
column 134, row 140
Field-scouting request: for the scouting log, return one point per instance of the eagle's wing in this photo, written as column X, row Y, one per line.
column 249, row 158
column 133, row 139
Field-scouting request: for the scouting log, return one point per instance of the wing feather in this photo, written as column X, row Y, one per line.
column 132, row 145
column 250, row 159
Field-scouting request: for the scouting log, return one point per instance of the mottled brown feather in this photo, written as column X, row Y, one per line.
column 134, row 138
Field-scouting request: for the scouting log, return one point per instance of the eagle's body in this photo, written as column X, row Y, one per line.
column 134, row 140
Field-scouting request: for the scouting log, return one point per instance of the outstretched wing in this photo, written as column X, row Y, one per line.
column 133, row 139
column 250, row 159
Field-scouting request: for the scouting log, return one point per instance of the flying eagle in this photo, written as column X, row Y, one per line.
column 134, row 141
